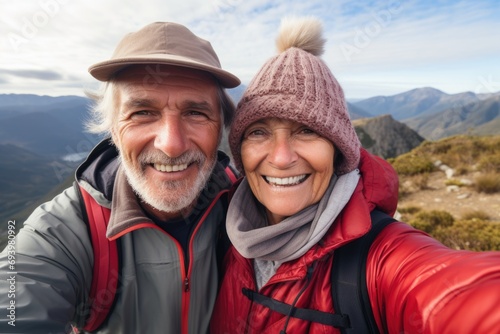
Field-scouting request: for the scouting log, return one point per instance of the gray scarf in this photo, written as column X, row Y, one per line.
column 251, row 235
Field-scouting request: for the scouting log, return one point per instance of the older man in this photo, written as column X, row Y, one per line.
column 163, row 106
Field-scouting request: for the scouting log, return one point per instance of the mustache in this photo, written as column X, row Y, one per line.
column 153, row 156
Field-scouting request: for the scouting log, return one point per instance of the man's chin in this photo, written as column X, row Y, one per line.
column 169, row 199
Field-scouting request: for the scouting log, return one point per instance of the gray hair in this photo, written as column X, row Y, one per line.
column 104, row 108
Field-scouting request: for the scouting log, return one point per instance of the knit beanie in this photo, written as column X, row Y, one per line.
column 297, row 85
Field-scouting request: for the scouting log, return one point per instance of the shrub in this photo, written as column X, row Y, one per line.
column 475, row 235
column 408, row 212
column 473, row 232
column 490, row 163
column 412, row 164
column 429, row 221
column 453, row 182
column 475, row 215
column 462, row 151
column 488, row 183
column 409, row 209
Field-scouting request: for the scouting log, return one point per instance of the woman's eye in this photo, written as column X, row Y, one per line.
column 307, row 131
column 255, row 133
column 307, row 134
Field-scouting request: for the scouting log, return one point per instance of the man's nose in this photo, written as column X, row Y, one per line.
column 170, row 137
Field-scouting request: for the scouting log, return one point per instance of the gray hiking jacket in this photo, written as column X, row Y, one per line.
column 47, row 290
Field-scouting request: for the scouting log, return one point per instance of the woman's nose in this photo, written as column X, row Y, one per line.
column 282, row 153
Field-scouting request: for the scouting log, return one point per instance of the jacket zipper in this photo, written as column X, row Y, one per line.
column 186, row 296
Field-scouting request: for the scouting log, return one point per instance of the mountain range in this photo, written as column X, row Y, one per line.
column 37, row 133
column 418, row 102
column 434, row 114
column 48, row 126
column 479, row 117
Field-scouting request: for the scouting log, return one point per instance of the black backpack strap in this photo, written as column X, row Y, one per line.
column 349, row 289
column 325, row 318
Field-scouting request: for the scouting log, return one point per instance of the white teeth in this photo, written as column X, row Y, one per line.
column 286, row 181
column 170, row 168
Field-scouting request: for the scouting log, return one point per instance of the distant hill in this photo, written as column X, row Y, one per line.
column 236, row 93
column 17, row 104
column 490, row 128
column 24, row 177
column 480, row 117
column 356, row 112
column 50, row 126
column 386, row 137
column 21, row 212
column 416, row 102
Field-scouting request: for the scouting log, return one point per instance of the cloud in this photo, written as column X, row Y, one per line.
column 411, row 34
column 33, row 74
column 407, row 36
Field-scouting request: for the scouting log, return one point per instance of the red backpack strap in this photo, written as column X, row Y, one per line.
column 105, row 273
column 235, row 182
column 231, row 174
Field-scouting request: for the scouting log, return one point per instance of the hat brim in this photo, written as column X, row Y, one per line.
column 104, row 70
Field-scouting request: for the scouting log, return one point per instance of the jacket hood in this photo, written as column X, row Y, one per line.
column 100, row 167
column 380, row 183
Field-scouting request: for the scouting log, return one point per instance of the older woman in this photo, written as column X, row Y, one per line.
column 308, row 190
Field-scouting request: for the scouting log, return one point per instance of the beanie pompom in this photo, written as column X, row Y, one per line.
column 304, row 33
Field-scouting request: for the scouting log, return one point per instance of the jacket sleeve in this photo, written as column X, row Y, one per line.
column 45, row 285
column 417, row 285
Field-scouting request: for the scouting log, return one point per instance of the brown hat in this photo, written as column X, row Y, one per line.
column 164, row 43
column 297, row 85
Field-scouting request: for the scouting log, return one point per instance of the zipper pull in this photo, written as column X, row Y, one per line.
column 186, row 284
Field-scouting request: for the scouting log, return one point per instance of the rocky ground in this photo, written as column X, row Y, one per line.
column 457, row 200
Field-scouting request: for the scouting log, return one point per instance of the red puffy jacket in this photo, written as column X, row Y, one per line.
column 415, row 284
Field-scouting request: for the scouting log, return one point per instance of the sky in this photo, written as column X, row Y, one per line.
column 373, row 47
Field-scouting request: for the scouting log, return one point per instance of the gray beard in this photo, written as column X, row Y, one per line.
column 179, row 195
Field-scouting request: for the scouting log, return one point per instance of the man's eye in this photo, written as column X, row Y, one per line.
column 141, row 113
column 195, row 113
